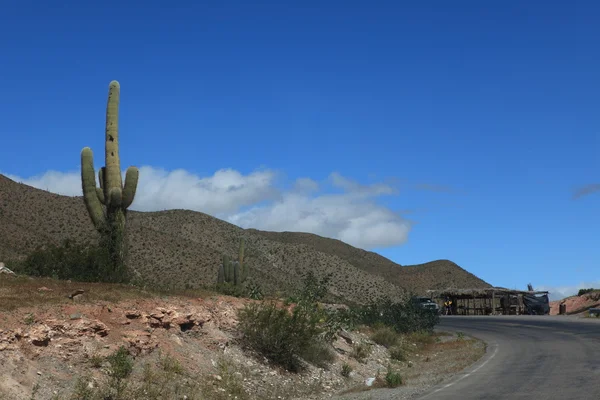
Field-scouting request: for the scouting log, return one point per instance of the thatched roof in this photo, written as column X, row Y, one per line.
column 480, row 292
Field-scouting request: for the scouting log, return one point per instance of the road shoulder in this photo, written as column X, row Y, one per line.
column 451, row 357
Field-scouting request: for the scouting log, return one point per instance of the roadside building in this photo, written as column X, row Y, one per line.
column 493, row 301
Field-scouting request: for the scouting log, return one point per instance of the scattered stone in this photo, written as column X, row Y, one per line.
column 44, row 289
column 78, row 298
column 40, row 336
column 75, row 316
column 131, row 314
column 346, row 336
column 5, row 270
column 76, row 293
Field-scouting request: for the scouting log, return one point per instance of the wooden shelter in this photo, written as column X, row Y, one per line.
column 492, row 301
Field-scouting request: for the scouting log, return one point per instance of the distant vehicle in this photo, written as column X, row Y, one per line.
column 426, row 303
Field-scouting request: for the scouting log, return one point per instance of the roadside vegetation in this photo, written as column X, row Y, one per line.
column 586, row 291
column 296, row 334
column 291, row 333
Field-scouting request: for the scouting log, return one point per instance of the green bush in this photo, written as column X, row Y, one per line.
column 83, row 262
column 278, row 334
column 121, row 364
column 392, row 378
column 403, row 317
column 585, row 291
column 286, row 338
column 313, row 289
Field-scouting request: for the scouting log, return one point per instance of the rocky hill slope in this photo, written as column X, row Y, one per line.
column 179, row 248
column 577, row 304
column 182, row 346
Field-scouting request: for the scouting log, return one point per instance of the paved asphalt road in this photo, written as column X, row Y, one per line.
column 528, row 357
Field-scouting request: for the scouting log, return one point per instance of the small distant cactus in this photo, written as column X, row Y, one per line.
column 233, row 272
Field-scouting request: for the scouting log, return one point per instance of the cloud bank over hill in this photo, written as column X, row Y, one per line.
column 560, row 292
column 338, row 208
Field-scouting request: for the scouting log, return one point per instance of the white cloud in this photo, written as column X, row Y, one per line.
column 305, row 185
column 65, row 183
column 253, row 201
column 221, row 194
column 352, row 186
column 560, row 292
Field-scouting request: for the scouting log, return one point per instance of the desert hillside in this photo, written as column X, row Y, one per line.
column 180, row 248
column 439, row 274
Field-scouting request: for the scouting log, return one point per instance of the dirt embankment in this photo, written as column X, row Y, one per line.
column 52, row 346
column 577, row 304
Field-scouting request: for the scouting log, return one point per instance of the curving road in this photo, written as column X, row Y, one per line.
column 528, row 357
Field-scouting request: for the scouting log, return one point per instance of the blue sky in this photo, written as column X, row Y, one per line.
column 456, row 130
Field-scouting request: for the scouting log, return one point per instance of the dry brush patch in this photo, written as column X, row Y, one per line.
column 427, row 360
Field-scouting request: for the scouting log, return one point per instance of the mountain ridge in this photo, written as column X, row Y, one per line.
column 183, row 249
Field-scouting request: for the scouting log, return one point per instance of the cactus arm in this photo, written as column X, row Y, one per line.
column 100, row 194
column 221, row 275
column 243, row 273
column 230, row 272
column 236, row 273
column 101, row 177
column 112, row 174
column 131, row 182
column 226, row 268
column 88, row 181
column 100, row 190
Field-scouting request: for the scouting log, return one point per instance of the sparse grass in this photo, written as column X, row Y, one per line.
column 319, row 353
column 164, row 379
column 397, row 354
column 96, row 360
column 436, row 358
column 385, row 336
column 360, row 351
column 170, row 364
column 29, row 319
column 230, row 385
column 346, row 370
column 422, row 337
column 24, row 291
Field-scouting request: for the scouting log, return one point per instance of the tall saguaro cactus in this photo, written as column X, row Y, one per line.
column 107, row 204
